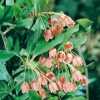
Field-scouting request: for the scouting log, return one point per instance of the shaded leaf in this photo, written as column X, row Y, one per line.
column 3, row 72
column 7, row 16
column 5, row 55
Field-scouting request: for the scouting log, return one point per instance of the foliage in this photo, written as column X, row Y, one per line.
column 22, row 26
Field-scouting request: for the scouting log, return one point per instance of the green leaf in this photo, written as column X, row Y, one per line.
column 20, row 2
column 33, row 95
column 1, row 14
column 5, row 55
column 7, row 16
column 89, row 65
column 53, row 98
column 3, row 72
column 85, row 25
column 24, row 22
column 4, row 89
column 13, row 42
column 68, row 34
column 30, row 2
column 43, row 46
column 16, row 10
column 33, row 40
column 43, row 23
column 42, row 4
column 9, row 2
column 80, row 69
column 77, row 98
column 79, row 41
column 28, row 10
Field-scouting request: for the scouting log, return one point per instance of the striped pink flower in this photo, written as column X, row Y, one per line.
column 68, row 46
column 48, row 35
column 42, row 93
column 42, row 60
column 60, row 56
column 53, row 87
column 50, row 75
column 69, row 57
column 77, row 61
column 25, row 87
column 52, row 52
column 35, row 85
column 76, row 75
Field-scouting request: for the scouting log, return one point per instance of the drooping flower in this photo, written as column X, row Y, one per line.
column 77, row 61
column 53, row 31
column 76, row 75
column 66, row 86
column 48, row 35
column 84, row 80
column 42, row 60
column 68, row 46
column 73, row 86
column 52, row 52
column 35, row 85
column 25, row 87
column 53, row 87
column 66, row 20
column 52, row 21
column 49, row 62
column 42, row 93
column 59, row 29
column 69, row 22
column 69, row 57
column 50, row 75
column 60, row 56
column 42, row 80
column 59, row 84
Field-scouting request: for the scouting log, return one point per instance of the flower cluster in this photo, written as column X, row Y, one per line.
column 64, row 60
column 57, row 26
column 57, row 60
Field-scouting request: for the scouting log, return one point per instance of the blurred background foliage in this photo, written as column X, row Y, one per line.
column 91, row 50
